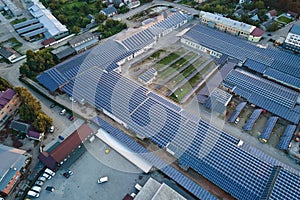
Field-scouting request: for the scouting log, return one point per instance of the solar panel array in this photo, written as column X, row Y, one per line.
column 178, row 177
column 106, row 55
column 237, row 111
column 287, row 136
column 278, row 60
column 268, row 128
column 250, row 122
column 200, row 146
column 172, row 21
column 286, row 186
column 139, row 40
column 265, row 94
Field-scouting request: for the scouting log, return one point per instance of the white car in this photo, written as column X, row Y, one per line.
column 63, row 112
column 36, row 189
column 103, row 179
column 138, row 187
column 47, row 176
column 33, row 193
column 51, row 129
column 50, row 172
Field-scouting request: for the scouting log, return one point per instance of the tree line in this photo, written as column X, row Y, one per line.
column 31, row 110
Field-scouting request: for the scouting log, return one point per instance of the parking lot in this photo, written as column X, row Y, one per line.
column 92, row 165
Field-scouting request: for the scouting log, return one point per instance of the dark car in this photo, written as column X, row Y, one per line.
column 68, row 173
column 50, row 188
column 72, row 117
column 52, row 105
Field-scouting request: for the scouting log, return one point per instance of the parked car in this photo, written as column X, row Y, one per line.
column 72, row 99
column 61, row 137
column 47, row 176
column 68, row 173
column 39, row 183
column 50, row 188
column 63, row 112
column 51, row 129
column 42, row 179
column 72, row 117
column 237, row 120
column 36, row 189
column 102, row 179
column 52, row 105
column 33, row 193
column 138, row 187
column 50, row 172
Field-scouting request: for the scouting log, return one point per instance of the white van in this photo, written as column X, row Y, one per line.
column 63, row 112
column 103, row 179
column 50, row 172
column 33, row 193
column 138, row 187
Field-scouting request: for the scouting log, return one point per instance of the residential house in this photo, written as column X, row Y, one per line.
column 230, row 26
column 35, row 135
column 272, row 14
column 292, row 14
column 13, row 164
column 9, row 103
column 292, row 41
column 8, row 53
column 239, row 13
column 60, row 154
column 109, row 11
column 20, row 127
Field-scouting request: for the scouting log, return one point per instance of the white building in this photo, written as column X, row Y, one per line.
column 54, row 27
column 231, row 26
column 292, row 41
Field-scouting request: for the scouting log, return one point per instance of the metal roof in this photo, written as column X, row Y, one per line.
column 34, row 33
column 26, row 23
column 295, row 29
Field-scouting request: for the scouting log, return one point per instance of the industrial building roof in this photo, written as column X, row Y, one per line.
column 26, row 23
column 45, row 17
column 279, row 61
column 12, row 160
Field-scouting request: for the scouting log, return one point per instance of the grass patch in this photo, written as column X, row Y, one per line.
column 176, row 66
column 168, row 59
column 180, row 93
column 12, row 43
column 284, row 19
column 16, row 21
column 156, row 55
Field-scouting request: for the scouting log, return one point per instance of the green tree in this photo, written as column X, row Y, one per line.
column 273, row 27
column 100, row 18
column 260, row 4
column 42, row 122
column 4, row 85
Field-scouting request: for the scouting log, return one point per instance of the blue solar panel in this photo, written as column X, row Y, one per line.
column 268, row 128
column 237, row 111
column 240, row 49
column 287, row 136
column 286, row 186
column 250, row 122
column 254, row 65
column 265, row 94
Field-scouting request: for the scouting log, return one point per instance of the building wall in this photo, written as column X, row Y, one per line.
column 224, row 27
column 201, row 48
column 10, row 107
